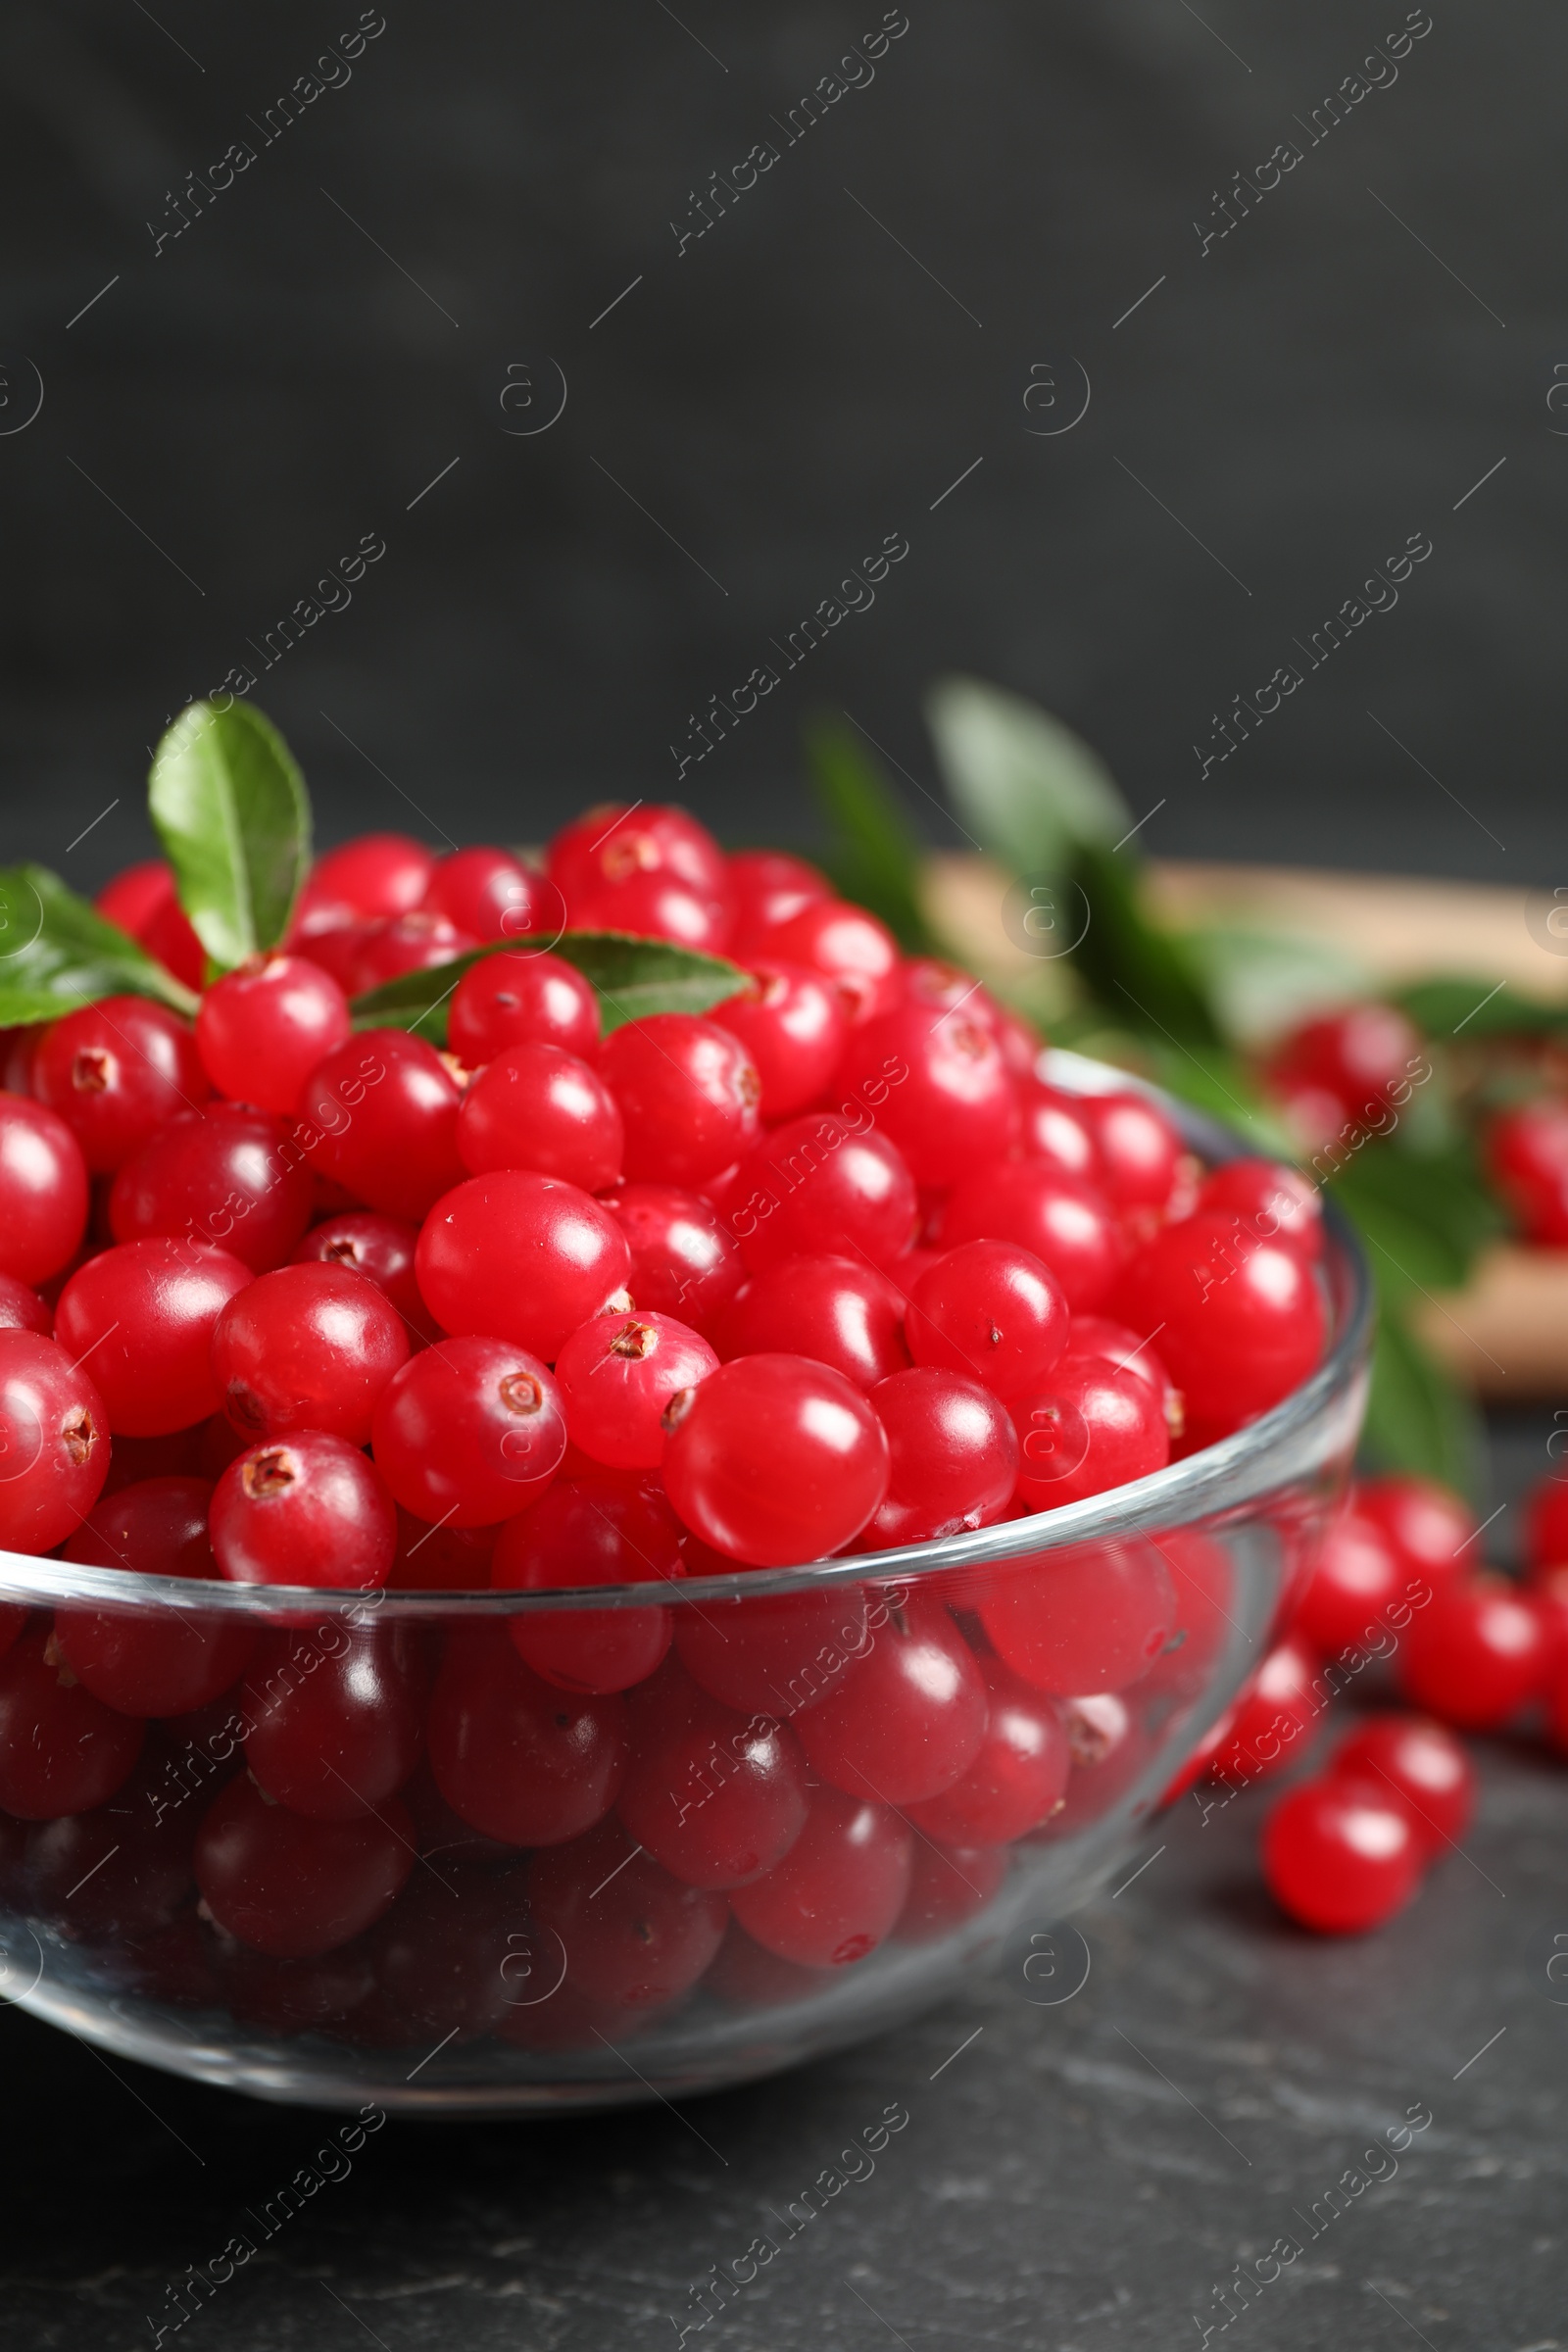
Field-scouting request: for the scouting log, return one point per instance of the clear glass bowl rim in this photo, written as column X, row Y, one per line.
column 1238, row 1471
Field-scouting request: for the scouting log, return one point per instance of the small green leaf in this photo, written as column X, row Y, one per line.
column 1029, row 789
column 1144, row 975
column 631, row 978
column 875, row 860
column 1424, row 1214
column 57, row 952
column 1470, row 1009
column 231, row 808
column 1418, row 1419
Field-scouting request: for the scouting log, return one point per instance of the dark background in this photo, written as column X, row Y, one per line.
column 780, row 396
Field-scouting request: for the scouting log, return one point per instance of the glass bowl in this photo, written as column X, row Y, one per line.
column 451, row 1970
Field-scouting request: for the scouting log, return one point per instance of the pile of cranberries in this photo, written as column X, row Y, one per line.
column 582, row 1300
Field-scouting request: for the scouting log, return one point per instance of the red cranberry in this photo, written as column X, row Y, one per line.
column 381, row 1117
column 1119, row 1345
column 1279, row 1705
column 716, row 1796
column 470, row 1430
column 1339, row 1859
column 1064, row 1220
column 792, row 1025
column 1084, row 1428
column 22, row 1309
column 43, row 1191
column 684, row 1261
column 612, row 844
column 1239, row 1322
column 61, row 1749
column 520, row 1258
column 656, row 906
column 308, row 1510
column 374, row 874
column 819, row 1184
column 949, row 1103
column 145, row 1313
column 379, row 1248
column 436, row 1558
column 1364, row 1058
column 420, row 942
column 1430, row 1529
column 1274, row 1202
column 307, row 1348
column 953, row 1457
column 151, row 1661
column 230, row 1177
column 294, row 1888
column 948, row 1886
column 773, row 1655
column 991, row 1309
column 618, row 1375
column 587, row 1530
column 688, row 1093
column 747, row 1978
column 1527, row 1151
column 837, row 1310
column 537, row 1107
column 1140, row 1152
column 142, row 900
column 767, row 887
column 263, row 1028
column 775, row 1459
column 335, row 1717
column 1091, row 1617
column 908, row 1719
column 635, row 1937
column 1052, row 1128
column 839, row 1889
column 444, row 1958
column 488, row 894
column 54, row 1443
column 514, row 1757
column 847, row 946
column 1415, row 1763
column 120, row 1872
column 1355, row 1578
column 1476, row 1654
column 1019, row 1774
column 522, row 999
column 114, row 1072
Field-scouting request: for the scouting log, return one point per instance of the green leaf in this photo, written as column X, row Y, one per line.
column 1143, row 975
column 1261, row 983
column 1418, row 1419
column 631, row 978
column 232, row 809
column 1029, row 789
column 875, row 858
column 1425, row 1216
column 1471, row 1009
column 57, row 952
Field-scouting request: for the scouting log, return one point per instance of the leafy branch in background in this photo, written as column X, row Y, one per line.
column 1186, row 1007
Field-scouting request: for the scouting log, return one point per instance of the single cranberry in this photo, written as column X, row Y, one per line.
column 1276, row 1707
column 436, row 1558
column 444, row 1959
column 537, row 1107
column 1477, row 1652
column 908, row 1719
column 308, row 1510
column 1526, row 1152
column 1430, row 1528
column 379, row 1248
column 114, row 1072
column 1273, row 1201
column 263, row 1028
column 1110, row 1749
column 230, row 1177
column 688, row 1093
column 470, row 1430
column 307, row 1348
column 373, row 874
column 612, row 844
column 847, row 946
column 1019, row 1774
column 142, row 900
column 54, row 1443
column 1090, row 1617
column 634, row 1937
column 948, row 1887
column 1418, row 1764
column 520, row 1258
column 837, row 1310
column 953, row 1457
column 533, row 999
column 587, row 1530
column 144, row 1314
column 336, row 1717
column 684, row 1261
column 151, row 1661
column 122, row 1871
column 335, row 946
column 774, row 1654
column 1119, row 1345
column 775, row 1459
column 1052, row 1128
column 1239, row 1322
column 792, row 1025
column 1064, row 1220
column 819, row 1184
column 716, row 1796
column 61, row 1749
column 767, row 887
column 618, row 1374
column 937, row 1085
column 990, row 1309
column 420, row 942
column 1356, row 1575
column 1366, row 1059
column 22, row 1309
column 515, row 1757
column 492, row 895
column 656, row 905
column 1085, row 1427
column 1339, row 1859
column 43, row 1191
column 838, row 1892
column 1140, row 1152
column 381, row 1116
column 295, row 1888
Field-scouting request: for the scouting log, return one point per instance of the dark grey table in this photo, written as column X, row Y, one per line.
column 1081, row 2169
